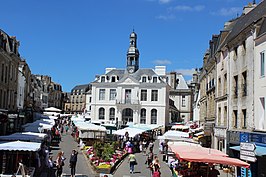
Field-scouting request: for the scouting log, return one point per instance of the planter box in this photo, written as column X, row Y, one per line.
column 107, row 170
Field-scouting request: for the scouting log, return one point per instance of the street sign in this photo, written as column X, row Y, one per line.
column 248, row 158
column 248, row 153
column 247, row 146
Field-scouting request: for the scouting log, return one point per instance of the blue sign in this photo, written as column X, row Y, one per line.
column 244, row 137
column 245, row 172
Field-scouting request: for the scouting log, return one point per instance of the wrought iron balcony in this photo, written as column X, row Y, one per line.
column 127, row 101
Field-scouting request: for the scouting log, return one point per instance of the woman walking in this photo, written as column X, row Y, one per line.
column 73, row 161
column 59, row 164
column 132, row 162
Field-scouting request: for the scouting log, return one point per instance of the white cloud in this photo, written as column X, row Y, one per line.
column 164, row 1
column 162, row 62
column 233, row 11
column 186, row 72
column 186, row 8
column 166, row 17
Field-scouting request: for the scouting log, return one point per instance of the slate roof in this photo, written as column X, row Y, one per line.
column 79, row 87
column 245, row 20
column 263, row 27
column 137, row 75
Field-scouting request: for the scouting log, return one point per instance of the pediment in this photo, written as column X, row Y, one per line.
column 129, row 81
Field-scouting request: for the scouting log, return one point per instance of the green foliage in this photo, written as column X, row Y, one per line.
column 108, row 151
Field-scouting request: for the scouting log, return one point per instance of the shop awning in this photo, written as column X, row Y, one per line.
column 53, row 109
column 146, row 127
column 174, row 135
column 24, row 136
column 132, row 132
column 259, row 151
column 19, row 146
column 205, row 155
column 84, row 126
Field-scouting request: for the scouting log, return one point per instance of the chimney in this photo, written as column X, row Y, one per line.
column 249, row 7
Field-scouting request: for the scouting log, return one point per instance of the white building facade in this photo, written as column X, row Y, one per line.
column 131, row 95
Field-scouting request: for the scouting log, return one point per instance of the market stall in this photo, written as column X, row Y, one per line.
column 89, row 132
column 15, row 152
column 197, row 160
column 131, row 132
column 25, row 136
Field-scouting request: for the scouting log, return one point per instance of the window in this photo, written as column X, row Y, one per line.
column 143, row 95
column 144, row 79
column 154, row 95
column 3, row 70
column 90, row 100
column 235, row 118
column 113, row 79
column 244, row 112
column 225, row 116
column 225, row 84
column 262, row 64
column 236, row 86
column 219, row 86
column 153, row 116
column 244, row 84
column 219, row 116
column 112, row 94
column 154, row 79
column 102, row 94
column 102, row 79
column 112, row 114
column 143, row 116
column 101, row 113
column 183, row 101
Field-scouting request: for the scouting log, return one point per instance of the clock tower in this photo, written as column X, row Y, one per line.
column 133, row 54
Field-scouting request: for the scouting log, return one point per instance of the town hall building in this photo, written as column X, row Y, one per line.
column 132, row 95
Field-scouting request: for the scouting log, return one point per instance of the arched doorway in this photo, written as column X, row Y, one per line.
column 127, row 115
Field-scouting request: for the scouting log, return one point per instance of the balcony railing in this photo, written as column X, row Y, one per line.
column 127, row 101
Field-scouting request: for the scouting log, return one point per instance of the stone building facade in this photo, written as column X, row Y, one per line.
column 131, row 95
column 78, row 98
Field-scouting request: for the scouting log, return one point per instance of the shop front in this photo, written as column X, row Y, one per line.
column 259, row 140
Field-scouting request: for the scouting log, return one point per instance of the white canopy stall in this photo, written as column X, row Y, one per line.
column 132, row 132
column 19, row 152
column 90, row 131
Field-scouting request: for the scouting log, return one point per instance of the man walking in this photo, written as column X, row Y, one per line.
column 73, row 161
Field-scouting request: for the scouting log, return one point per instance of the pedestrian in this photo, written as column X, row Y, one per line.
column 151, row 144
column 140, row 146
column 66, row 128
column 73, row 162
column 132, row 162
column 156, row 167
column 59, row 164
column 149, row 159
column 50, row 167
column 144, row 146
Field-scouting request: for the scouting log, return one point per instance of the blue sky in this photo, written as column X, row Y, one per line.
column 72, row 41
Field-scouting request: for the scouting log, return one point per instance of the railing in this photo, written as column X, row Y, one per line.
column 127, row 101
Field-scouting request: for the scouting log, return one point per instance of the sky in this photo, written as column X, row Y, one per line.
column 72, row 41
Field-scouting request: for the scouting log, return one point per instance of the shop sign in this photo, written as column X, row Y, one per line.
column 248, row 158
column 234, row 137
column 248, row 153
column 258, row 138
column 12, row 116
column 247, row 146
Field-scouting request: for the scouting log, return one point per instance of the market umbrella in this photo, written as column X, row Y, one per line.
column 207, row 158
column 177, row 149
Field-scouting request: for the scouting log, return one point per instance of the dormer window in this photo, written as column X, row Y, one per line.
column 154, row 79
column 144, row 79
column 113, row 79
column 102, row 79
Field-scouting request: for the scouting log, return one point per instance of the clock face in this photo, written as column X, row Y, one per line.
column 131, row 70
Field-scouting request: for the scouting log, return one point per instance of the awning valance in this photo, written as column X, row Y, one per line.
column 19, row 146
